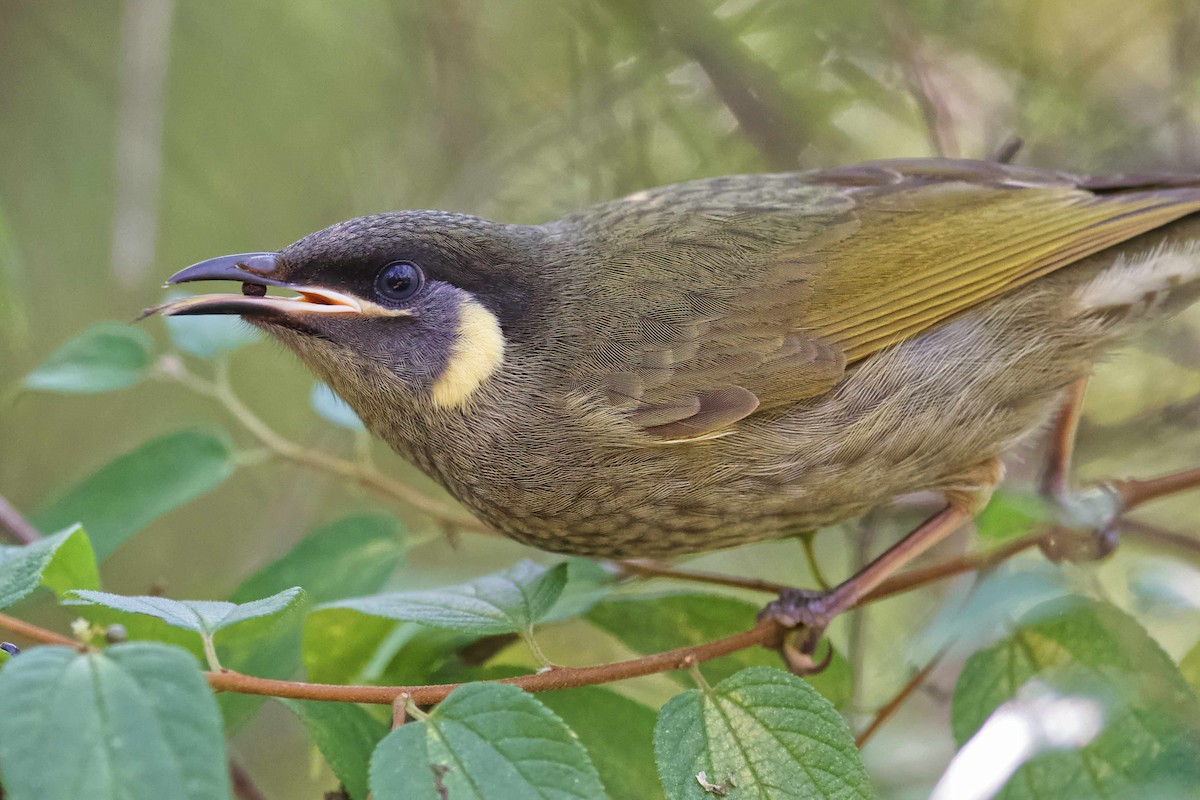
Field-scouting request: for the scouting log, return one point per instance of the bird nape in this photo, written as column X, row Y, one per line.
column 732, row 359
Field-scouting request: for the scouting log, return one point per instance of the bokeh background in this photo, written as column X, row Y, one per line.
column 137, row 137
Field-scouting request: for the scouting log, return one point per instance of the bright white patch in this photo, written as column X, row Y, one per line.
column 478, row 352
column 1147, row 279
column 1035, row 721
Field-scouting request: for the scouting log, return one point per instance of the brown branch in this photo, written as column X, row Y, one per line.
column 33, row 632
column 939, row 122
column 645, row 568
column 916, row 578
column 14, row 522
column 766, row 111
column 764, row 632
column 244, row 787
column 1161, row 536
column 1134, row 493
column 890, row 708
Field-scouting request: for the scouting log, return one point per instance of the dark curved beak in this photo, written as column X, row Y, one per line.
column 245, row 267
column 252, row 269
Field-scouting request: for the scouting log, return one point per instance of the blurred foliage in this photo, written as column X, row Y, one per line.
column 278, row 120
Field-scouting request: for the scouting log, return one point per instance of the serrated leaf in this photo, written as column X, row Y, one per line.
column 104, row 357
column 651, row 623
column 625, row 761
column 135, row 722
column 588, row 582
column 1082, row 647
column 206, row 336
column 346, row 735
column 346, row 557
column 760, row 733
column 136, row 488
column 60, row 562
column 342, row 558
column 1009, row 515
column 332, row 408
column 342, row 646
column 486, row 741
column 205, row 617
column 503, row 602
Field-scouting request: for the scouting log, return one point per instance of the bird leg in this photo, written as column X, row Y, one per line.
column 1056, row 474
column 1089, row 516
column 812, row 611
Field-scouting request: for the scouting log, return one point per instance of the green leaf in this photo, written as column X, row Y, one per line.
column 651, row 623
column 105, row 357
column 588, row 582
column 135, row 722
column 60, row 562
column 1010, row 515
column 1080, row 646
column 332, row 408
column 136, row 488
column 760, row 733
column 346, row 735
column 340, row 559
column 487, row 741
column 205, row 617
column 342, row 646
column 347, row 557
column 512, row 600
column 206, row 336
column 618, row 734
column 1190, row 667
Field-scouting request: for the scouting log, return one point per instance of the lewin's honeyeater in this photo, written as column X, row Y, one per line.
column 725, row 360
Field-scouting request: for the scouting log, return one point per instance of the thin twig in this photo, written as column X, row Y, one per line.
column 764, row 632
column 913, row 579
column 939, row 121
column 244, row 787
column 1161, row 536
column 892, row 706
column 1134, row 493
column 14, row 523
column 360, row 471
column 645, row 568
column 34, row 633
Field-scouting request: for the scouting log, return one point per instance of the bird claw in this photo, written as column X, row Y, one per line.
column 800, row 660
column 1077, row 546
column 804, row 615
column 798, row 608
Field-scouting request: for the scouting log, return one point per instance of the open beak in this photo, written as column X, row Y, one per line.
column 253, row 271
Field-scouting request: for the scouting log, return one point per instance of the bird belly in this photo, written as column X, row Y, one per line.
column 920, row 415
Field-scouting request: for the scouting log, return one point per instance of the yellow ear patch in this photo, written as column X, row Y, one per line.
column 478, row 351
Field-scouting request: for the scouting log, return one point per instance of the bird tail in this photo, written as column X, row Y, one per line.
column 1143, row 286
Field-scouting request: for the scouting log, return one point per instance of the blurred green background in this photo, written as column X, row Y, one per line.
column 138, row 137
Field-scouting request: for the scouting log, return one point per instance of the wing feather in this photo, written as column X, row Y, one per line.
column 766, row 287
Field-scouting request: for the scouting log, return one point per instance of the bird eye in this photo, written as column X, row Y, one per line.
column 399, row 280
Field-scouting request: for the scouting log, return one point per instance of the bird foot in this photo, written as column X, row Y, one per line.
column 803, row 614
column 1080, row 545
column 799, row 608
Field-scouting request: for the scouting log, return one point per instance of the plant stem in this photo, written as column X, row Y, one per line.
column 890, row 708
column 1134, row 493
column 645, row 568
column 14, row 522
column 360, row 471
column 562, row 678
column 34, row 632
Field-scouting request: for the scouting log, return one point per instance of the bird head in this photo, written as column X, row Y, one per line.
column 408, row 308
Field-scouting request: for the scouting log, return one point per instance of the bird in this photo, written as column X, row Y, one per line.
column 730, row 359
